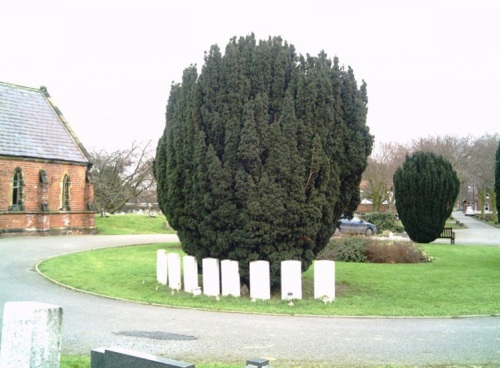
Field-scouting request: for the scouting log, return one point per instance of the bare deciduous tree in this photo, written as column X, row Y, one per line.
column 377, row 178
column 121, row 176
column 482, row 171
column 457, row 150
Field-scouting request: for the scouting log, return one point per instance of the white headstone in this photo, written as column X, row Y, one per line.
column 291, row 280
column 31, row 335
column 230, row 275
column 161, row 266
column 190, row 273
column 324, row 279
column 174, row 271
column 260, row 281
column 211, row 276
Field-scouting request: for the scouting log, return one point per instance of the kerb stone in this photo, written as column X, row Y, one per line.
column 31, row 335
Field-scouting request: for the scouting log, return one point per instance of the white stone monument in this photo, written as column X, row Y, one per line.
column 31, row 335
column 190, row 267
column 230, row 275
column 211, row 276
column 291, row 280
column 174, row 271
column 161, row 266
column 324, row 279
column 260, row 281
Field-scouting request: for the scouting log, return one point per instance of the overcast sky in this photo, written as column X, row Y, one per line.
column 432, row 67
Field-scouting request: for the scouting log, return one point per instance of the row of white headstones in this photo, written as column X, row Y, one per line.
column 223, row 277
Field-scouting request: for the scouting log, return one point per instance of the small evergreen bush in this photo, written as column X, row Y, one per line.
column 383, row 221
column 346, row 249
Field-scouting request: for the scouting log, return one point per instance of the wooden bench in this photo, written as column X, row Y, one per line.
column 448, row 233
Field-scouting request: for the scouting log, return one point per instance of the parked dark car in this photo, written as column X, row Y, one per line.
column 356, row 226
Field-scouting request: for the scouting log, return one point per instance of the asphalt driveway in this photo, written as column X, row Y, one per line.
column 474, row 233
column 190, row 335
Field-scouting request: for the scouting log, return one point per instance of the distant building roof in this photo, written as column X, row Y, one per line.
column 32, row 127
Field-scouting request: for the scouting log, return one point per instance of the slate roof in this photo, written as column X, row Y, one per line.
column 32, row 127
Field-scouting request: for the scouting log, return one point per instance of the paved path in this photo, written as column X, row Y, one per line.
column 475, row 233
column 90, row 322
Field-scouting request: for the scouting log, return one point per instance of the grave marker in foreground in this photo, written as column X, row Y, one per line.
column 31, row 335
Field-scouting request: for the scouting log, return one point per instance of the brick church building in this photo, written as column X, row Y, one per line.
column 45, row 184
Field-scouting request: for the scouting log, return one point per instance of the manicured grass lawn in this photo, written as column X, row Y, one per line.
column 131, row 224
column 75, row 361
column 462, row 280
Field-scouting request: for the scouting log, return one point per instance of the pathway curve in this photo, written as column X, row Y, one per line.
column 190, row 335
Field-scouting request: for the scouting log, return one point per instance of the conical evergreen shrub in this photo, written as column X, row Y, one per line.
column 425, row 188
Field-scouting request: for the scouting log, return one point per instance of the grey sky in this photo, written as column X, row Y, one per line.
column 432, row 67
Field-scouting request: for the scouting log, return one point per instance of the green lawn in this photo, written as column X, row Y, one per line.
column 462, row 280
column 131, row 224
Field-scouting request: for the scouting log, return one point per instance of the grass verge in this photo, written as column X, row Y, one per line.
column 83, row 361
column 462, row 280
column 75, row 361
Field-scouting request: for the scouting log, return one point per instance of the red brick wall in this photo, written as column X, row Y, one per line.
column 366, row 208
column 32, row 219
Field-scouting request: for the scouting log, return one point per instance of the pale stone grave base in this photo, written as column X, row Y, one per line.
column 211, row 276
column 291, row 280
column 260, row 281
column 31, row 335
column 161, row 266
column 174, row 271
column 324, row 279
column 230, row 274
column 190, row 273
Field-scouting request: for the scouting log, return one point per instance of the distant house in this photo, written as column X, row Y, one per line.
column 45, row 186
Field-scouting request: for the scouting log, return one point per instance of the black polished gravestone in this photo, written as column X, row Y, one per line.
column 119, row 358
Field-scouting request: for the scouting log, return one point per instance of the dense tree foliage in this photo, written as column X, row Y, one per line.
column 261, row 154
column 425, row 187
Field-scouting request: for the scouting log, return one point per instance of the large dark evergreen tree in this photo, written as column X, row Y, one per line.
column 497, row 180
column 261, row 154
column 425, row 188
